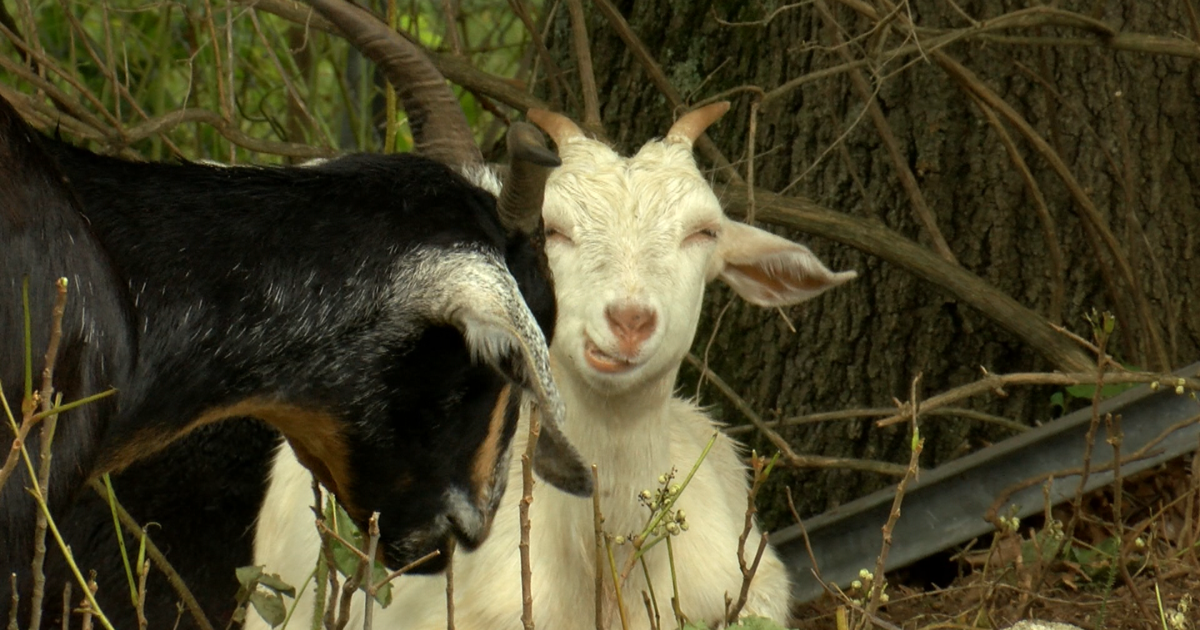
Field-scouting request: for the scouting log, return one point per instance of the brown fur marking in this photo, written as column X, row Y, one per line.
column 483, row 471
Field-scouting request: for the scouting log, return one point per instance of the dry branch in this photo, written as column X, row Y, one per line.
column 877, row 239
column 790, row 457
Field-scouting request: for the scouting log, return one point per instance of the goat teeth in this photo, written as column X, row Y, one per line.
column 602, row 361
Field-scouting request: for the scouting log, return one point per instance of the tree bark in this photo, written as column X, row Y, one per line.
column 1116, row 108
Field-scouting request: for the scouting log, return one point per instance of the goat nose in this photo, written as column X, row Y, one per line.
column 631, row 324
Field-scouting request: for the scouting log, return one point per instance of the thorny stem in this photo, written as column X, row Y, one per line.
column 598, row 527
column 371, row 589
column 526, row 500
column 748, row 572
column 39, row 536
column 1102, row 364
column 917, row 444
column 89, row 593
column 1112, row 424
column 48, row 429
column 140, row 605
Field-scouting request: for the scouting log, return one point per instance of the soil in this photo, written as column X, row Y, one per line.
column 997, row 581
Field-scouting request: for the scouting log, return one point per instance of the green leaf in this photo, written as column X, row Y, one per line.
column 248, row 576
column 1058, row 402
column 269, row 606
column 276, row 583
column 347, row 561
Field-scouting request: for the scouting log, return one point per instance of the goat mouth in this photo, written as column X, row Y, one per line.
column 604, row 362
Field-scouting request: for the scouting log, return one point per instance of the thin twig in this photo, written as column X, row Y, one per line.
column 156, row 556
column 878, row 583
column 883, row 412
column 46, row 453
column 450, row 549
column 751, row 135
column 1049, row 232
column 907, row 180
column 140, row 608
column 760, row 473
column 587, row 76
column 371, row 589
column 659, row 78
column 598, row 528
column 535, row 430
column 16, row 600
column 996, row 382
column 790, row 457
column 1089, row 214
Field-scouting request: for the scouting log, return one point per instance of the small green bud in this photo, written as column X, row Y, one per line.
column 856, row 585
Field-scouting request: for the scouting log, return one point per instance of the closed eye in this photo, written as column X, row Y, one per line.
column 557, row 235
column 708, row 234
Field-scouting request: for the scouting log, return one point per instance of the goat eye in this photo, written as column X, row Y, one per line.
column 703, row 235
column 555, row 234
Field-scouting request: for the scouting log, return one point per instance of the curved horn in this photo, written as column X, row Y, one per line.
column 439, row 127
column 558, row 126
column 692, row 124
column 520, row 203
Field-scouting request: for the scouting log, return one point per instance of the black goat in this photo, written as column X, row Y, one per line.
column 375, row 309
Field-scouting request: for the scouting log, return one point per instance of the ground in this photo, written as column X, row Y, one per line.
column 994, row 582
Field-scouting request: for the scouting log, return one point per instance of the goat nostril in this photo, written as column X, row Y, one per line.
column 635, row 322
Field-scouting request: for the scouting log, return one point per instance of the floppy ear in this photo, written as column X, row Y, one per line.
column 484, row 303
column 768, row 270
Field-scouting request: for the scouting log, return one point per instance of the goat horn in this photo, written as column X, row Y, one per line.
column 558, row 126
column 689, row 127
column 520, row 203
column 439, row 127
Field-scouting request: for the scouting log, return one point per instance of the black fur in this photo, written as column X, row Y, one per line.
column 195, row 287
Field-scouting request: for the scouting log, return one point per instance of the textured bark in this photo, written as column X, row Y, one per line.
column 1124, row 123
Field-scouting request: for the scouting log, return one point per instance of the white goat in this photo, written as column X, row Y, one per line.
column 631, row 243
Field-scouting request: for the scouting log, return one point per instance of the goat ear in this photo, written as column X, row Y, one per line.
column 484, row 303
column 559, row 464
column 768, row 270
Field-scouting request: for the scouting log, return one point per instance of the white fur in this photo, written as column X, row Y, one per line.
column 623, row 232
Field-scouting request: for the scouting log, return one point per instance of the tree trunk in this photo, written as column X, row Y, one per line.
column 1120, row 115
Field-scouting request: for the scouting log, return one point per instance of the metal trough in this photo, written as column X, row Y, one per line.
column 946, row 506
